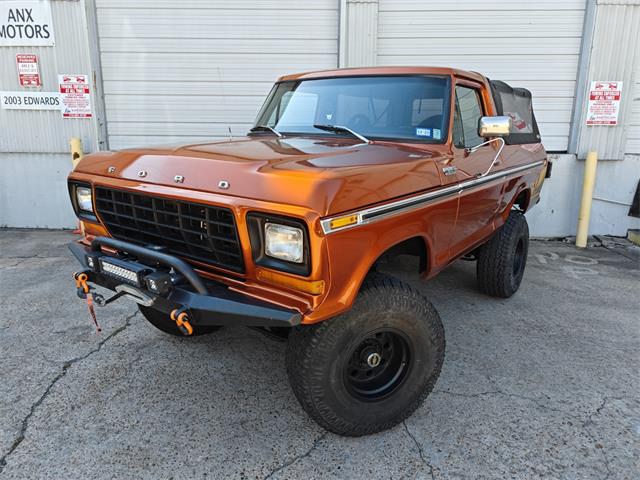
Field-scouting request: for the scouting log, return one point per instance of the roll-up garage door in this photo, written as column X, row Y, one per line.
column 633, row 132
column 187, row 71
column 531, row 44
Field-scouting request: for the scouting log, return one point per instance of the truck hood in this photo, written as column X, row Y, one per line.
column 327, row 176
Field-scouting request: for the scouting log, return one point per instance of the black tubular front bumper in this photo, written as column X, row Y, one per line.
column 177, row 286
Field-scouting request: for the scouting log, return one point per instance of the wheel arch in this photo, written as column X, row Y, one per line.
column 522, row 199
column 349, row 274
column 416, row 245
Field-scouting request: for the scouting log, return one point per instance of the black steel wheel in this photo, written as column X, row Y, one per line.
column 378, row 365
column 370, row 368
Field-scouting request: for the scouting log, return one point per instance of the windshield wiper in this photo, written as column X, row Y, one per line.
column 341, row 129
column 265, row 128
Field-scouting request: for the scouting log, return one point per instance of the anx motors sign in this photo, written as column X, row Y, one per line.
column 26, row 22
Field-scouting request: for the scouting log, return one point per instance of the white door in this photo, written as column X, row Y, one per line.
column 187, row 71
column 530, row 44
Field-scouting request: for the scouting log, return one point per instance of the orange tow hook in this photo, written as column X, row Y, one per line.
column 182, row 321
column 84, row 291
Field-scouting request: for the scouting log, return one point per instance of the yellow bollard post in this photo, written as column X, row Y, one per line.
column 76, row 151
column 588, row 183
column 76, row 155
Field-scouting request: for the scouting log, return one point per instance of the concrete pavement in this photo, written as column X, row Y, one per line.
column 545, row 384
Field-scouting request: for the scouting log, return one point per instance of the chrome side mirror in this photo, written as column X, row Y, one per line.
column 498, row 126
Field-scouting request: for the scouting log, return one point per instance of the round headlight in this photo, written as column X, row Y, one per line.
column 284, row 242
column 83, row 196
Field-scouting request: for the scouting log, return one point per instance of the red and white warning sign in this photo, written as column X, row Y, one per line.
column 28, row 73
column 75, row 97
column 604, row 103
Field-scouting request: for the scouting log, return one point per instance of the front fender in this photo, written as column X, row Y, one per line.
column 353, row 252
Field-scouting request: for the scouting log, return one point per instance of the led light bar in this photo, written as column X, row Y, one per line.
column 122, row 270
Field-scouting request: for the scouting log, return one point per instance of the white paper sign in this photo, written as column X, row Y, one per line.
column 30, row 100
column 75, row 97
column 604, row 103
column 27, row 22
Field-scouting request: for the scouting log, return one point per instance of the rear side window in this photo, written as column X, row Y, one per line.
column 467, row 113
column 516, row 103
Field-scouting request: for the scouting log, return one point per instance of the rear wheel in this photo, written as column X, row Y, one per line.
column 161, row 321
column 370, row 368
column 501, row 261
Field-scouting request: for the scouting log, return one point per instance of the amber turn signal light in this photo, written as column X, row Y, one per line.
column 343, row 221
column 312, row 287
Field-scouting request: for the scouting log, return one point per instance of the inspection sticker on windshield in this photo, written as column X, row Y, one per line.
column 436, row 134
column 423, row 132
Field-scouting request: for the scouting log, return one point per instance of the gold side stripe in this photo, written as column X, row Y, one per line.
column 368, row 215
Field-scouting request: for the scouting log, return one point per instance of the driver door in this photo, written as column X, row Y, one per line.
column 477, row 205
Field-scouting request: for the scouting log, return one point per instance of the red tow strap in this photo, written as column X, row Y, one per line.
column 83, row 287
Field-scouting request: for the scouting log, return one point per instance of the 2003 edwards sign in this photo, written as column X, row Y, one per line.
column 30, row 100
column 26, row 22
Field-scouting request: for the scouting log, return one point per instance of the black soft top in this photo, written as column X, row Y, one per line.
column 516, row 103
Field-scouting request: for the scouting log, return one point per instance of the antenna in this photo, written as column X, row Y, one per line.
column 230, row 135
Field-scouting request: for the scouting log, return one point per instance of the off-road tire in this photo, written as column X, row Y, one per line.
column 502, row 260
column 162, row 322
column 319, row 370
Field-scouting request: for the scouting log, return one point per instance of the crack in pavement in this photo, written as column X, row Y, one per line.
column 421, row 453
column 584, row 423
column 13, row 265
column 297, row 457
column 613, row 249
column 65, row 368
column 507, row 394
column 23, row 258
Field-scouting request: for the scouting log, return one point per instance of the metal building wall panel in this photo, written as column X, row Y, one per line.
column 361, row 33
column 633, row 132
column 215, row 5
column 535, row 45
column 193, row 69
column 45, row 131
column 33, row 190
column 615, row 55
column 475, row 6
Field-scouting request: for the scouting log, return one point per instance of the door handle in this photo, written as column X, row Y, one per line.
column 449, row 170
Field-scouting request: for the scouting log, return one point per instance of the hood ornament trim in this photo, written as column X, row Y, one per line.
column 224, row 185
column 178, row 179
column 142, row 173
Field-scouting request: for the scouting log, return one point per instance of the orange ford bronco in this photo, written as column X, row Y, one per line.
column 283, row 229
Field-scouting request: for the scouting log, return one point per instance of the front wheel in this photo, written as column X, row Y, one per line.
column 370, row 368
column 502, row 259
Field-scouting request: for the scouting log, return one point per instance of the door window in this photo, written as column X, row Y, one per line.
column 467, row 113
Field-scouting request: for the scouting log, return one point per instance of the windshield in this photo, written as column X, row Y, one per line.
column 413, row 108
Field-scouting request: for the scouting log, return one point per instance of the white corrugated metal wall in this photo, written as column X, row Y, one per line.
column 34, row 144
column 529, row 44
column 187, row 71
column 617, row 23
column 633, row 131
column 615, row 55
